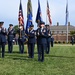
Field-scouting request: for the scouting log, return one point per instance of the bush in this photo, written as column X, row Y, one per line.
column 56, row 42
column 59, row 42
column 64, row 42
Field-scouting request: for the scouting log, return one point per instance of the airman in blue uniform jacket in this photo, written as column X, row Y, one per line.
column 10, row 38
column 41, row 39
column 48, row 38
column 21, row 38
column 3, row 34
column 31, row 41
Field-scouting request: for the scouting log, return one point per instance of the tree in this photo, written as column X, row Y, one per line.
column 72, row 33
column 16, row 29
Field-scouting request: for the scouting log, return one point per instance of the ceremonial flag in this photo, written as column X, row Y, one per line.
column 29, row 8
column 20, row 16
column 29, row 15
column 66, row 23
column 39, row 15
column 66, row 13
column 48, row 13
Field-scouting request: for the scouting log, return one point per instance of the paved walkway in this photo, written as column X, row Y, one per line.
column 64, row 45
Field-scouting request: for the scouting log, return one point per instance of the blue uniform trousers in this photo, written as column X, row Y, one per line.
column 3, row 49
column 51, row 43
column 31, row 49
column 21, row 46
column 41, row 48
column 10, row 46
column 48, row 47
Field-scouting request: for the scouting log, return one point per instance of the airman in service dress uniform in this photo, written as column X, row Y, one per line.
column 3, row 34
column 41, row 35
column 21, row 38
column 10, row 38
column 48, row 38
column 31, row 41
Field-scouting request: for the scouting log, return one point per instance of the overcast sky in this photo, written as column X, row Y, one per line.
column 9, row 11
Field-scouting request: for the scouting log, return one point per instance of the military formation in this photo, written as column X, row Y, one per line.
column 41, row 36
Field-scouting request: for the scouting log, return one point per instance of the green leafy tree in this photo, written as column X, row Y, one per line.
column 16, row 29
column 72, row 33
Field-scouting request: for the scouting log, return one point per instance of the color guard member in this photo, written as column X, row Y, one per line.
column 31, row 41
column 3, row 34
column 10, row 38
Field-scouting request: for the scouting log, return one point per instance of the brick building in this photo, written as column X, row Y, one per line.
column 60, row 32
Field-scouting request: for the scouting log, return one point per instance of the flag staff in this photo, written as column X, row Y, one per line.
column 29, row 18
column 48, row 15
column 67, row 33
column 46, row 12
column 67, row 19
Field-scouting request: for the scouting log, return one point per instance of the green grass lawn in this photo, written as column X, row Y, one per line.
column 60, row 61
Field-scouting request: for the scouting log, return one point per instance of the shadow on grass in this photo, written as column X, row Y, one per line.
column 14, row 52
column 24, row 58
column 15, row 56
column 19, row 58
column 55, row 56
column 19, row 52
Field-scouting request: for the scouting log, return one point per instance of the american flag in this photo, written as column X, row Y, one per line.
column 48, row 14
column 20, row 16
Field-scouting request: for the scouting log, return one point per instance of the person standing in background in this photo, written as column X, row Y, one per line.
column 52, row 41
column 72, row 40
